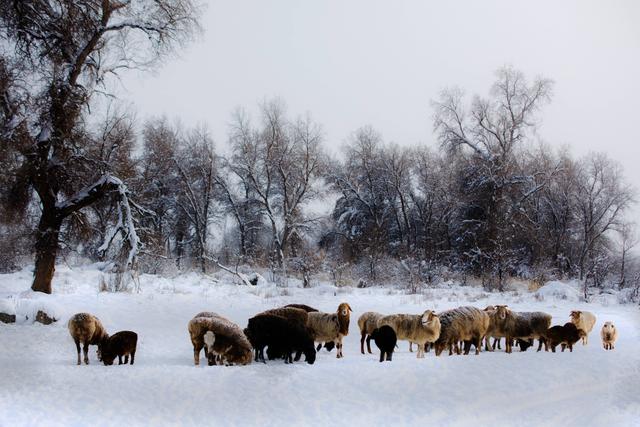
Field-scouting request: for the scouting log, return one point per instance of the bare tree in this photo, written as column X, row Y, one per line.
column 282, row 161
column 629, row 239
column 487, row 133
column 601, row 199
column 68, row 49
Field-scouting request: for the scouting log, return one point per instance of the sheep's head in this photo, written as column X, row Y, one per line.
column 609, row 327
column 343, row 317
column 575, row 315
column 490, row 308
column 502, row 311
column 107, row 355
column 310, row 353
column 344, row 309
column 429, row 318
column 209, row 340
column 238, row 355
column 439, row 347
column 101, row 345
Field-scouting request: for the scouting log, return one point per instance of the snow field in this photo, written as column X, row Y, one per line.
column 41, row 385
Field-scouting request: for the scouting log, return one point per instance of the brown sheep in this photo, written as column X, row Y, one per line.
column 517, row 325
column 367, row 323
column 331, row 326
column 85, row 328
column 566, row 335
column 468, row 324
column 120, row 344
column 234, row 347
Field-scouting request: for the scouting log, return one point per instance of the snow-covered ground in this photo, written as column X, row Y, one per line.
column 40, row 383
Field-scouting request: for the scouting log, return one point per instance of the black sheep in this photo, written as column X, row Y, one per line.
column 385, row 339
column 328, row 345
column 567, row 335
column 282, row 336
column 120, row 344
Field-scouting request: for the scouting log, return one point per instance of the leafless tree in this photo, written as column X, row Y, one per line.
column 601, row 198
column 68, row 49
column 282, row 162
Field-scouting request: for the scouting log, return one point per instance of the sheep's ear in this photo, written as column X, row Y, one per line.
column 349, row 307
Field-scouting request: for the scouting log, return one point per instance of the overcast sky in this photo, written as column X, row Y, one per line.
column 351, row 63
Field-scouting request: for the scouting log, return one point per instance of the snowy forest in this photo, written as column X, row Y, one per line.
column 490, row 201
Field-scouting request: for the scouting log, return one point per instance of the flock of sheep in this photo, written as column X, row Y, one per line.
column 295, row 329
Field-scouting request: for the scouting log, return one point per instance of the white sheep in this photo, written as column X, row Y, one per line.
column 416, row 328
column 609, row 335
column 331, row 326
column 584, row 321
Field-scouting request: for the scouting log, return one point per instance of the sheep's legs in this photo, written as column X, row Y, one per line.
column 196, row 353
column 126, row 359
column 410, row 347
column 85, row 350
column 540, row 341
column 133, row 354
column 78, row 348
column 508, row 344
column 369, row 344
column 363, row 335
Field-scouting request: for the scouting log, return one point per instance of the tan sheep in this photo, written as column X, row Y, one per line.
column 367, row 323
column 331, row 326
column 468, row 324
column 227, row 339
column 609, row 335
column 85, row 328
column 584, row 321
column 416, row 328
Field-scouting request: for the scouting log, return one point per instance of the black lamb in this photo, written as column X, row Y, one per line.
column 385, row 339
column 120, row 344
column 566, row 335
column 281, row 336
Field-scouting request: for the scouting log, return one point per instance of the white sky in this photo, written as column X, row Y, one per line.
column 351, row 63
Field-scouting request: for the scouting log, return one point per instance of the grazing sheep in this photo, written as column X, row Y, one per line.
column 85, row 328
column 468, row 324
column 516, row 325
column 285, row 336
column 331, row 326
column 417, row 328
column 609, row 335
column 567, row 335
column 229, row 342
column 584, row 321
column 120, row 344
column 385, row 339
column 367, row 323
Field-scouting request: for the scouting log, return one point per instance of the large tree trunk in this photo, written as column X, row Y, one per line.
column 46, row 251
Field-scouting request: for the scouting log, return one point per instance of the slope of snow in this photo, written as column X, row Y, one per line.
column 41, row 385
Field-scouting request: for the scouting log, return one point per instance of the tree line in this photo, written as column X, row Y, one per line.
column 489, row 201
